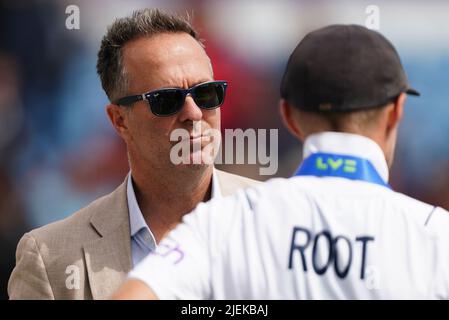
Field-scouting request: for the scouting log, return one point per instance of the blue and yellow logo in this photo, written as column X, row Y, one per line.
column 324, row 163
column 337, row 165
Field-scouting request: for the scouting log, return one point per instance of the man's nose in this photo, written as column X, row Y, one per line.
column 190, row 111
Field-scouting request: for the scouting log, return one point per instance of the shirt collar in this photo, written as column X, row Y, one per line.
column 348, row 144
column 136, row 219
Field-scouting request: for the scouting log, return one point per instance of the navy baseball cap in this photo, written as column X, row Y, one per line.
column 343, row 68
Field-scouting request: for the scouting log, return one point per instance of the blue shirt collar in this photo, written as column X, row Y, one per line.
column 136, row 220
column 348, row 144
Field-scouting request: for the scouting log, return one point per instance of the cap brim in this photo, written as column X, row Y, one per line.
column 412, row 92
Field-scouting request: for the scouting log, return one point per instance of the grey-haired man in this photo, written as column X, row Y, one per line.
column 146, row 64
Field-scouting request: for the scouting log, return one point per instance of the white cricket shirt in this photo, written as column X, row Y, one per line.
column 307, row 237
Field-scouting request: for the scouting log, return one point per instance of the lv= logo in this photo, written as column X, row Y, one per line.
column 348, row 165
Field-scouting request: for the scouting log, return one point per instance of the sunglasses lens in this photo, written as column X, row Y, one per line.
column 209, row 95
column 167, row 102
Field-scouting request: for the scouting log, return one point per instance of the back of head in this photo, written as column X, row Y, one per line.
column 345, row 78
column 345, row 74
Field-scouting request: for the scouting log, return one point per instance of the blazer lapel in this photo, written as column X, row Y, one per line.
column 108, row 258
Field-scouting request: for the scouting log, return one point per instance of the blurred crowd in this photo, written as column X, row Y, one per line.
column 58, row 151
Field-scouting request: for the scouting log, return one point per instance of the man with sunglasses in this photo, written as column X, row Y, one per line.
column 336, row 230
column 159, row 79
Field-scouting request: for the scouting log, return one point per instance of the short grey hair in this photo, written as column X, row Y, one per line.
column 141, row 23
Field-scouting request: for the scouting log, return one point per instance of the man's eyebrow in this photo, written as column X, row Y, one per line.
column 203, row 80
column 200, row 81
column 192, row 85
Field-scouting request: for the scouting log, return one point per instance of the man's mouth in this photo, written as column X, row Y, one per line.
column 197, row 138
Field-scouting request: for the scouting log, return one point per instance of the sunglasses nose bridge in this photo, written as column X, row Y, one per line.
column 190, row 110
column 189, row 93
column 167, row 102
column 192, row 100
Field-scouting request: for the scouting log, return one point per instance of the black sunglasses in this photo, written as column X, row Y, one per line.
column 168, row 101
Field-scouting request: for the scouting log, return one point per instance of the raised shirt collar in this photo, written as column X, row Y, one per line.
column 136, row 219
column 348, row 144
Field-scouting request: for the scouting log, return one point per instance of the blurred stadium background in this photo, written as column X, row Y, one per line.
column 58, row 151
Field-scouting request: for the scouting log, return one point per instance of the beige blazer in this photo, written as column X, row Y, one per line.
column 88, row 254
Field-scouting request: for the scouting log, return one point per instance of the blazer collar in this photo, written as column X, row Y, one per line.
column 111, row 212
column 137, row 221
column 228, row 183
column 108, row 258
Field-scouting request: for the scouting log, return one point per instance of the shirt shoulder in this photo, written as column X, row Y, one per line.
column 307, row 192
column 431, row 216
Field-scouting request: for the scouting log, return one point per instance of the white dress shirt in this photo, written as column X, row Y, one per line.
column 307, row 237
column 142, row 239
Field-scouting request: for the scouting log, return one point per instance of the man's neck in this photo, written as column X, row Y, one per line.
column 165, row 199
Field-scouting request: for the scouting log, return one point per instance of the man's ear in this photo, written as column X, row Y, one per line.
column 117, row 117
column 289, row 115
column 396, row 113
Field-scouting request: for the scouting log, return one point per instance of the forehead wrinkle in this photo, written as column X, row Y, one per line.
column 156, row 49
column 180, row 63
column 185, row 76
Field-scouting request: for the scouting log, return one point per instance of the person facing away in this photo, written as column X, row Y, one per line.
column 335, row 230
column 159, row 79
